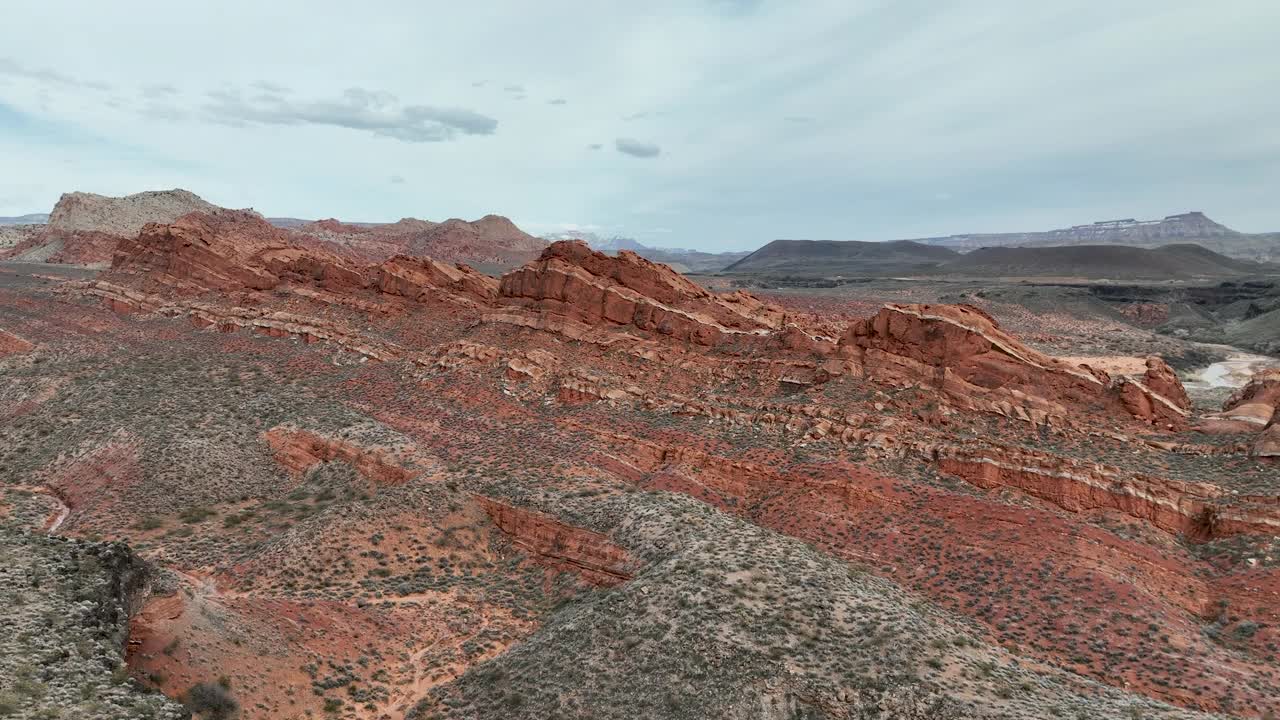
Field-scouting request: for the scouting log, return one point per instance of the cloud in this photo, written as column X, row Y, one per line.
column 514, row 88
column 159, row 91
column 636, row 148
column 376, row 112
column 558, row 101
column 594, row 146
column 396, row 180
column 13, row 68
column 270, row 87
column 735, row 7
column 162, row 111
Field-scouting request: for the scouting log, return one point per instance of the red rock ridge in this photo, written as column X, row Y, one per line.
column 584, row 552
column 973, row 359
column 576, row 282
column 300, row 450
column 414, row 277
column 237, row 250
column 492, row 239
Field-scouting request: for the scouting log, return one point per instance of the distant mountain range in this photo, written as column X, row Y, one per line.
column 1179, row 246
column 31, row 219
column 1190, row 227
column 1181, row 261
column 834, row 258
column 680, row 259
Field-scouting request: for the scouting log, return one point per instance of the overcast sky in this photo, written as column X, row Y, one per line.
column 718, row 124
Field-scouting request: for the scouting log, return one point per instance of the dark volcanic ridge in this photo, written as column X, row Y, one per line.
column 843, row 257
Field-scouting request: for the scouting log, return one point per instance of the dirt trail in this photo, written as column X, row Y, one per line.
column 54, row 522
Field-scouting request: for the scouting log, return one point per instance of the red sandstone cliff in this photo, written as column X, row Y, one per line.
column 573, row 281
column 962, row 350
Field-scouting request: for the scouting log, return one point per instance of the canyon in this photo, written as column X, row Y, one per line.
column 372, row 481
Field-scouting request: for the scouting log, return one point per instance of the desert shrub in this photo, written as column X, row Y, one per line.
column 211, row 701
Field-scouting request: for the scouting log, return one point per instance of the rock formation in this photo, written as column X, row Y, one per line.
column 962, row 351
column 491, row 240
column 231, row 250
column 123, row 216
column 589, row 554
column 83, row 228
column 573, row 281
column 1258, row 404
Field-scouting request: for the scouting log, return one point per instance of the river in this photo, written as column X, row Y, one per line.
column 1233, row 372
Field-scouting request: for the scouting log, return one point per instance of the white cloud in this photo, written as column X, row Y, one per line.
column 636, row 148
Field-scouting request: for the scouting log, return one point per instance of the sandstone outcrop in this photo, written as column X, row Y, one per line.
column 492, row 239
column 1257, row 402
column 415, row 277
column 1157, row 397
column 1258, row 405
column 1198, row 510
column 576, row 282
column 299, row 450
column 589, row 554
column 962, row 351
column 230, row 250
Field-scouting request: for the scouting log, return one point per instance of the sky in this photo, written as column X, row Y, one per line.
column 710, row 124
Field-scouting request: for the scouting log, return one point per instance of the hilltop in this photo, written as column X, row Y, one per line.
column 83, row 228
